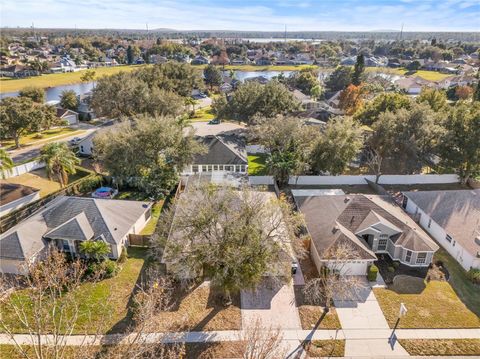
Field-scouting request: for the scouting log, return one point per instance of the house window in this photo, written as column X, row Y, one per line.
column 220, row 167
column 453, row 243
column 237, row 168
column 215, row 167
column 429, row 222
column 408, row 256
column 209, row 168
column 194, row 168
column 204, row 168
column 382, row 244
column 421, row 258
column 65, row 246
column 448, row 238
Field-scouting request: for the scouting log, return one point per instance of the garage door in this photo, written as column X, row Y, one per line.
column 355, row 268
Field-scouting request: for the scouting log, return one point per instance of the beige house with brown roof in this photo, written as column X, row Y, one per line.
column 370, row 224
column 452, row 218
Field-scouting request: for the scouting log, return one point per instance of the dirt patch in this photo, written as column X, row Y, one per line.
column 325, row 348
column 200, row 309
column 404, row 284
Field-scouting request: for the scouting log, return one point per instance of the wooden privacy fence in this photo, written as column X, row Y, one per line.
column 138, row 240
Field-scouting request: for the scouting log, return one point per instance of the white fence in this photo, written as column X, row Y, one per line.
column 358, row 180
column 23, row 168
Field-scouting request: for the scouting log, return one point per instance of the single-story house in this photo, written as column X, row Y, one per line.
column 68, row 115
column 14, row 196
column 307, row 102
column 413, row 85
column 452, row 218
column 68, row 221
column 369, row 224
column 224, row 153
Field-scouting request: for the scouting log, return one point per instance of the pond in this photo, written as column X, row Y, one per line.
column 53, row 93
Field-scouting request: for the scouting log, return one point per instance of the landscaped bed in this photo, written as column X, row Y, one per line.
column 104, row 305
column 325, row 348
column 257, row 165
column 437, row 306
column 200, row 309
column 441, row 347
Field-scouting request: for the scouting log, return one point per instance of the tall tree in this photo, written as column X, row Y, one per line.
column 36, row 94
column 6, row 163
column 213, row 76
column 436, row 99
column 147, row 152
column 350, row 99
column 88, row 76
column 233, row 237
column 358, row 70
column 390, row 101
column 18, row 117
column 69, row 100
column 340, row 78
column 305, row 80
column 459, row 146
column 338, row 146
column 252, row 99
column 60, row 161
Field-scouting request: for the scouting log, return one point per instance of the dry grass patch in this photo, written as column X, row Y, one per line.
column 200, row 310
column 325, row 348
column 224, row 350
column 441, row 346
column 436, row 307
column 311, row 314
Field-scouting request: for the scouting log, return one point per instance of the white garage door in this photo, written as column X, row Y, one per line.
column 355, row 268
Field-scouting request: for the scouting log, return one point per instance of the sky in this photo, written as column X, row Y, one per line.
column 260, row 15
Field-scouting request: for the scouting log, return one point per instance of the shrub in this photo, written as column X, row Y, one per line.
column 396, row 264
column 391, row 269
column 474, row 275
column 90, row 183
column 123, row 256
column 108, row 268
column 372, row 273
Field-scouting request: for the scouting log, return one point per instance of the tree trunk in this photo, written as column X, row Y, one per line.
column 377, row 177
column 16, row 137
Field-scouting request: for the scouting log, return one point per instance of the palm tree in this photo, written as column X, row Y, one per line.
column 60, row 161
column 6, row 163
column 281, row 165
column 95, row 249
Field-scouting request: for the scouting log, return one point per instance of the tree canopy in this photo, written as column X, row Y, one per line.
column 36, row 94
column 388, row 101
column 147, row 152
column 69, row 100
column 60, row 161
column 340, row 78
column 213, row 76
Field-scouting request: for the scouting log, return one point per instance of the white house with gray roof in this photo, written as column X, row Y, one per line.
column 68, row 221
column 452, row 218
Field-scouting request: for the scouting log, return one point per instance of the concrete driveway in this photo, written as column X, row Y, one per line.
column 362, row 313
column 271, row 303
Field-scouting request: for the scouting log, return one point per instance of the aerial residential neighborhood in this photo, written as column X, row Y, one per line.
column 257, row 180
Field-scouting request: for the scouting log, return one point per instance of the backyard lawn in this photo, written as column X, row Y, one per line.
column 438, row 306
column 104, row 303
column 41, row 137
column 257, row 165
column 424, row 74
column 149, row 228
column 39, row 179
column 441, row 347
column 51, row 80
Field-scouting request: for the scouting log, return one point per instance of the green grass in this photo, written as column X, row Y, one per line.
column 441, row 347
column 51, row 80
column 465, row 289
column 438, row 306
column 257, row 165
column 203, row 114
column 103, row 304
column 149, row 228
column 42, row 137
column 426, row 75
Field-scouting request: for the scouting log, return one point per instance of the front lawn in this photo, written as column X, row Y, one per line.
column 465, row 289
column 203, row 114
column 311, row 314
column 200, row 309
column 104, row 305
column 257, row 165
column 441, row 347
column 42, row 137
column 437, row 306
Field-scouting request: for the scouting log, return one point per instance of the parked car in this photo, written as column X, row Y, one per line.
column 215, row 121
column 74, row 141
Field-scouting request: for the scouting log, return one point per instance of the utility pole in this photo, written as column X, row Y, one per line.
column 401, row 33
column 146, row 24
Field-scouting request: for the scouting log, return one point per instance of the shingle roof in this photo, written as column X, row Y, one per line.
column 10, row 192
column 10, row 247
column 75, row 218
column 222, row 150
column 456, row 211
column 355, row 213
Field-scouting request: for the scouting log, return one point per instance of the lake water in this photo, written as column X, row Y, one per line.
column 53, row 93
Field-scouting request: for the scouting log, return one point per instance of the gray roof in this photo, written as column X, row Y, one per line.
column 353, row 213
column 222, row 150
column 456, row 211
column 75, row 218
